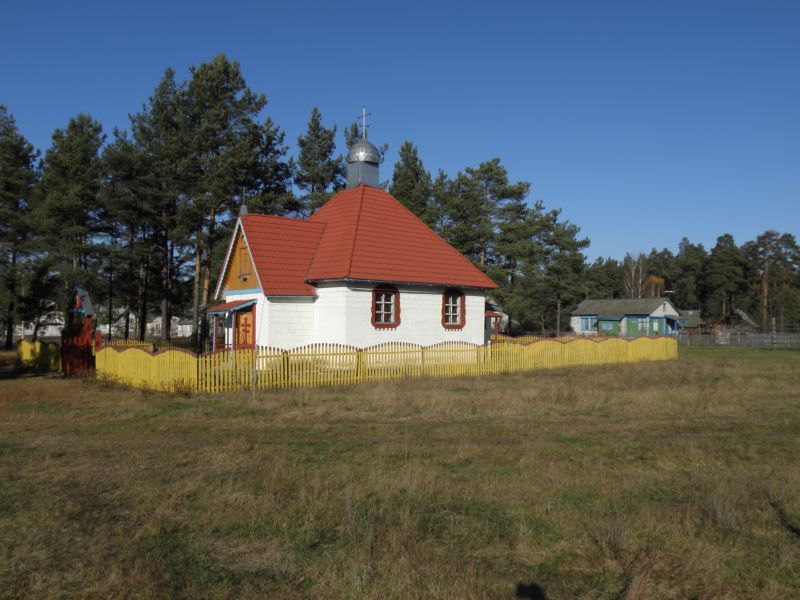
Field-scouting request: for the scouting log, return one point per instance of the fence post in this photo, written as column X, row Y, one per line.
column 358, row 365
column 285, row 369
column 774, row 341
column 197, row 360
column 254, row 371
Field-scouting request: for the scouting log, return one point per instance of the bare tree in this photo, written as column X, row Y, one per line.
column 635, row 270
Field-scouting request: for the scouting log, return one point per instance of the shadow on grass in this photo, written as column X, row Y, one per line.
column 785, row 520
column 19, row 372
column 531, row 591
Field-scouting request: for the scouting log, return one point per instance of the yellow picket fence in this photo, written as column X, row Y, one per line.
column 122, row 343
column 334, row 364
column 501, row 338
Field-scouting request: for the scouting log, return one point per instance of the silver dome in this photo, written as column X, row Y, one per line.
column 364, row 151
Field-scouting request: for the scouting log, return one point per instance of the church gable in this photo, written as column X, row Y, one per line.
column 240, row 274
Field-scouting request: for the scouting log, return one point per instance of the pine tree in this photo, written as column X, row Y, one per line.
column 662, row 268
column 132, row 200
column 411, row 183
column 772, row 272
column 271, row 181
column 564, row 270
column 689, row 264
column 224, row 160
column 319, row 172
column 67, row 215
column 520, row 255
column 475, row 202
column 17, row 178
column 159, row 132
column 441, row 192
column 352, row 133
column 724, row 278
column 604, row 279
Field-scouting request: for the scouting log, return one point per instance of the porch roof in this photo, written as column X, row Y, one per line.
column 231, row 306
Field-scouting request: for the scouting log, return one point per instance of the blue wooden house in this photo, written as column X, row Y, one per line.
column 626, row 317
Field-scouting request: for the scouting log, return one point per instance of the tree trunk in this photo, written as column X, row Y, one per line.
column 196, row 296
column 12, row 293
column 558, row 318
column 724, row 313
column 129, row 297
column 110, row 292
column 207, row 266
column 165, row 286
column 143, row 274
column 765, row 292
column 9, row 345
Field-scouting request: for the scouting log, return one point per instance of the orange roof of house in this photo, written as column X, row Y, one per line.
column 371, row 236
column 281, row 250
column 360, row 234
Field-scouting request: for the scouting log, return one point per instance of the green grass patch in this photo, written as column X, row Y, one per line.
column 642, row 481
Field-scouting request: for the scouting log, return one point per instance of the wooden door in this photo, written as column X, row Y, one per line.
column 245, row 329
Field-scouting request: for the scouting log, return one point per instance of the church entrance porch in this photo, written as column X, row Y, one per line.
column 234, row 325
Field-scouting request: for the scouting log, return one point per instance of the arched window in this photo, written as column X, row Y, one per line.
column 385, row 307
column 454, row 309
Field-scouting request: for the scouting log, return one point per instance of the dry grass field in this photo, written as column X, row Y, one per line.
column 658, row 480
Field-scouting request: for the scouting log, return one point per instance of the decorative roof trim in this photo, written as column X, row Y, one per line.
column 231, row 306
column 393, row 282
column 227, row 258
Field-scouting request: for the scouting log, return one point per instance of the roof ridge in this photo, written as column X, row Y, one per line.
column 355, row 231
column 314, row 255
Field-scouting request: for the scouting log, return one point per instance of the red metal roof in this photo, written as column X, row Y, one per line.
column 282, row 250
column 232, row 305
column 362, row 234
column 371, row 236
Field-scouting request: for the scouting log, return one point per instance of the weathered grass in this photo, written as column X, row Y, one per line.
column 659, row 480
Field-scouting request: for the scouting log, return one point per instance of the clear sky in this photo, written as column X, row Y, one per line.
column 644, row 121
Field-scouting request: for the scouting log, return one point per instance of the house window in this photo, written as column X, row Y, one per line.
column 608, row 326
column 641, row 324
column 385, row 307
column 453, row 309
column 588, row 323
column 655, row 326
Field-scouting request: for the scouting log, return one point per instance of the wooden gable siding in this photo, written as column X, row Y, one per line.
column 240, row 274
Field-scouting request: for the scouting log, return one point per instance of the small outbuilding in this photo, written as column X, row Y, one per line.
column 626, row 317
column 691, row 321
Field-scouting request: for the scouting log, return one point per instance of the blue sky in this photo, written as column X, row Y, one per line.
column 644, row 121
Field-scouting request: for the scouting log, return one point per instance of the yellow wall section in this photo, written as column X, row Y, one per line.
column 240, row 265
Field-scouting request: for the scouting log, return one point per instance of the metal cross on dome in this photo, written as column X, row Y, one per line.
column 364, row 115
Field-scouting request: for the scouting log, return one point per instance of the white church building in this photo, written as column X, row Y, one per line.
column 361, row 271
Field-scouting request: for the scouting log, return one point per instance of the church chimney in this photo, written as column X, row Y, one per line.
column 363, row 159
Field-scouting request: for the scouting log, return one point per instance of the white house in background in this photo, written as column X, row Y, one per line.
column 361, row 271
column 178, row 327
column 49, row 325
